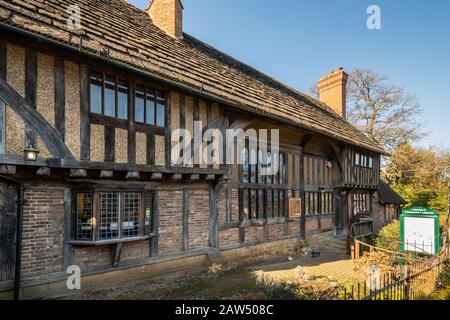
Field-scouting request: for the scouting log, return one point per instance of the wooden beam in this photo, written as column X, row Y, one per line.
column 157, row 176
column 302, row 194
column 85, row 121
column 110, row 144
column 155, row 222
column 35, row 121
column 117, row 254
column 30, row 92
column 78, row 173
column 60, row 97
column 43, row 171
column 151, row 155
column 92, row 165
column 182, row 120
column 131, row 125
column 106, row 174
column 3, row 59
column 176, row 176
column 185, row 220
column 7, row 169
column 67, row 247
column 196, row 145
column 168, row 130
column 213, row 223
column 133, row 175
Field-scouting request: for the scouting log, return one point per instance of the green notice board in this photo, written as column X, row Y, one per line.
column 420, row 231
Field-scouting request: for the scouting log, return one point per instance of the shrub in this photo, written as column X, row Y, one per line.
column 389, row 237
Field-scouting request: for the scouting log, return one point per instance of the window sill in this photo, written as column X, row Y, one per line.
column 108, row 242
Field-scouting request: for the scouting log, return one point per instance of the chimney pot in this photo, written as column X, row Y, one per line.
column 332, row 91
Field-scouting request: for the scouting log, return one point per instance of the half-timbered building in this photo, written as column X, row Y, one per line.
column 90, row 95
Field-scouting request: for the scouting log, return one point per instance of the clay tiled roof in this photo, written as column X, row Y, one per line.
column 389, row 196
column 131, row 39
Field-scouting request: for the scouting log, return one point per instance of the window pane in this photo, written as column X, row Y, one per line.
column 160, row 108
column 110, row 97
column 245, row 204
column 276, row 203
column 108, row 224
column 261, row 178
column 269, row 177
column 253, row 160
column 260, row 204
column 245, row 165
column 253, row 203
column 139, row 104
column 131, row 214
column 150, row 112
column 96, row 93
column 269, row 204
column 307, row 212
column 123, row 100
column 85, row 215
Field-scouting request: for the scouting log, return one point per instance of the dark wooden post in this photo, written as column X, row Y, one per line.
column 185, row 220
column 213, row 225
column 2, row 103
column 302, row 192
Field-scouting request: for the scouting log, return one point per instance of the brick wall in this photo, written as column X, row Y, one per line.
column 254, row 234
column 43, row 225
column 326, row 223
column 312, row 225
column 229, row 236
column 198, row 219
column 294, row 228
column 222, row 205
column 91, row 257
column 277, row 230
column 170, row 206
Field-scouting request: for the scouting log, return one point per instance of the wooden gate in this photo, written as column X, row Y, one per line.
column 8, row 218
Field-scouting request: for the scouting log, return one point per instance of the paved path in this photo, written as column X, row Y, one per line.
column 336, row 265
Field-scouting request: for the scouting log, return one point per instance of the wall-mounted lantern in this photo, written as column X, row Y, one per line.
column 31, row 153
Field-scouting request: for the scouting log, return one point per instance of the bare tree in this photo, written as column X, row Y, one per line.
column 383, row 111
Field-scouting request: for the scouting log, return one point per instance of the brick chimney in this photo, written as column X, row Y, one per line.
column 167, row 15
column 332, row 91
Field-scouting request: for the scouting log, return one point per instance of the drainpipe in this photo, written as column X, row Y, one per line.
column 18, row 264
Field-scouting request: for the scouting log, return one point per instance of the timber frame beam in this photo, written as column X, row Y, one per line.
column 35, row 121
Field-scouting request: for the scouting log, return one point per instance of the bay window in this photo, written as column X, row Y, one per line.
column 113, row 215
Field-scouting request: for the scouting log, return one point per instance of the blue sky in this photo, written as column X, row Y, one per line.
column 298, row 41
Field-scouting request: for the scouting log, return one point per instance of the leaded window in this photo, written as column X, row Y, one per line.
column 319, row 203
column 113, row 216
column 261, row 195
column 359, row 203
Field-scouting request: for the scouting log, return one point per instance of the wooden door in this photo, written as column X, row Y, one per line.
column 339, row 215
column 8, row 216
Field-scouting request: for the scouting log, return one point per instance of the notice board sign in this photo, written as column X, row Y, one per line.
column 419, row 230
